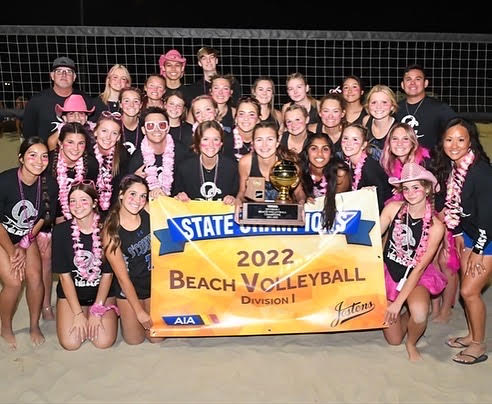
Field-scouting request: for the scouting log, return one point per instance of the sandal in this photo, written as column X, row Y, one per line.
column 475, row 359
column 456, row 343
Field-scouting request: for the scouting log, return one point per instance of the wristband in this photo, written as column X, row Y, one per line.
column 26, row 241
column 477, row 251
column 98, row 310
column 457, row 235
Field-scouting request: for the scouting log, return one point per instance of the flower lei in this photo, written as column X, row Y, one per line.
column 89, row 274
column 238, row 142
column 321, row 189
column 452, row 207
column 424, row 239
column 104, row 177
column 64, row 184
column 165, row 179
column 358, row 171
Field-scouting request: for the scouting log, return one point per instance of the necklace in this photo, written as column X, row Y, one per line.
column 212, row 187
column 416, row 109
column 38, row 199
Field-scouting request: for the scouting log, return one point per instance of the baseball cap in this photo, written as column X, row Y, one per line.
column 63, row 61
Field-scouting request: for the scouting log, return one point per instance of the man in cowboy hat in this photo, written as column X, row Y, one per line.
column 172, row 67
column 39, row 116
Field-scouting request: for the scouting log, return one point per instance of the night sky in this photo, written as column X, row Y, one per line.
column 398, row 15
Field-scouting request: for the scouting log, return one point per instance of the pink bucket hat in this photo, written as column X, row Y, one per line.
column 174, row 56
column 414, row 172
column 73, row 103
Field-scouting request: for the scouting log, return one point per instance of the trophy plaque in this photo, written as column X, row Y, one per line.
column 281, row 212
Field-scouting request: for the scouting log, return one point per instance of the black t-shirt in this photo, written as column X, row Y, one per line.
column 184, row 135
column 17, row 213
column 427, row 117
column 63, row 261
column 476, row 200
column 91, row 174
column 374, row 175
column 136, row 160
column 40, row 117
column 132, row 139
column 135, row 246
column 202, row 87
column 124, row 161
column 188, row 178
column 112, row 106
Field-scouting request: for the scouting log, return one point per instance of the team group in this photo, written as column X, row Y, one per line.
column 77, row 205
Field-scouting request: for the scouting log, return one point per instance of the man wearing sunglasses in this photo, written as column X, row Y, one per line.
column 158, row 154
column 40, row 116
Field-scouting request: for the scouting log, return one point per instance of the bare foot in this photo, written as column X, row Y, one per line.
column 37, row 337
column 413, row 352
column 443, row 317
column 9, row 338
column 47, row 313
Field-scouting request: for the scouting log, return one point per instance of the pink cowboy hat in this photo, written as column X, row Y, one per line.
column 73, row 103
column 174, row 56
column 414, row 172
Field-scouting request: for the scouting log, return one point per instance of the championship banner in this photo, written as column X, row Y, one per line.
column 213, row 277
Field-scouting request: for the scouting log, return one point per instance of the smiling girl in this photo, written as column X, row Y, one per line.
column 24, row 209
column 414, row 234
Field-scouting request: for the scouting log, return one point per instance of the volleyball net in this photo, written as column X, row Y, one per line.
column 457, row 65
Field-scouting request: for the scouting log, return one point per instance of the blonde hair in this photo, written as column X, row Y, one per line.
column 107, row 90
column 381, row 88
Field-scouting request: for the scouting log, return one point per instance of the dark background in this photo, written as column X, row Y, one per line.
column 371, row 15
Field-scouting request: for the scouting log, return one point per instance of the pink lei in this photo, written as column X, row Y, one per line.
column 424, row 239
column 64, row 183
column 321, row 189
column 238, row 142
column 93, row 272
column 452, row 206
column 358, row 171
column 162, row 180
column 421, row 155
column 104, row 177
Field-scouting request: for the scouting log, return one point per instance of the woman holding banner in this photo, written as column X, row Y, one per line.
column 126, row 243
column 414, row 235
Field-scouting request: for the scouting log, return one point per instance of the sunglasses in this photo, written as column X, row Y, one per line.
column 151, row 126
column 83, row 182
column 111, row 115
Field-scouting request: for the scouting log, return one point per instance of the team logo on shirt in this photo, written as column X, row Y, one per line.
column 412, row 121
column 22, row 215
column 208, row 190
column 87, row 266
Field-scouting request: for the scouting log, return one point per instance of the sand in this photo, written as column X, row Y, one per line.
column 353, row 367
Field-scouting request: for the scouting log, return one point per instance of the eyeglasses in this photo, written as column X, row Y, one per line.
column 61, row 72
column 151, row 126
column 111, row 115
column 83, row 182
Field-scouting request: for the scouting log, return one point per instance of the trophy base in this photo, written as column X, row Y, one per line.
column 271, row 214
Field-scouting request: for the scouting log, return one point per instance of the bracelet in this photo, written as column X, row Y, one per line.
column 477, row 251
column 457, row 235
column 99, row 309
column 81, row 311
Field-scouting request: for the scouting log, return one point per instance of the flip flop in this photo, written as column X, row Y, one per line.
column 456, row 343
column 476, row 359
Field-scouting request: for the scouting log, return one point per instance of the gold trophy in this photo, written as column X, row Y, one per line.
column 284, row 176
